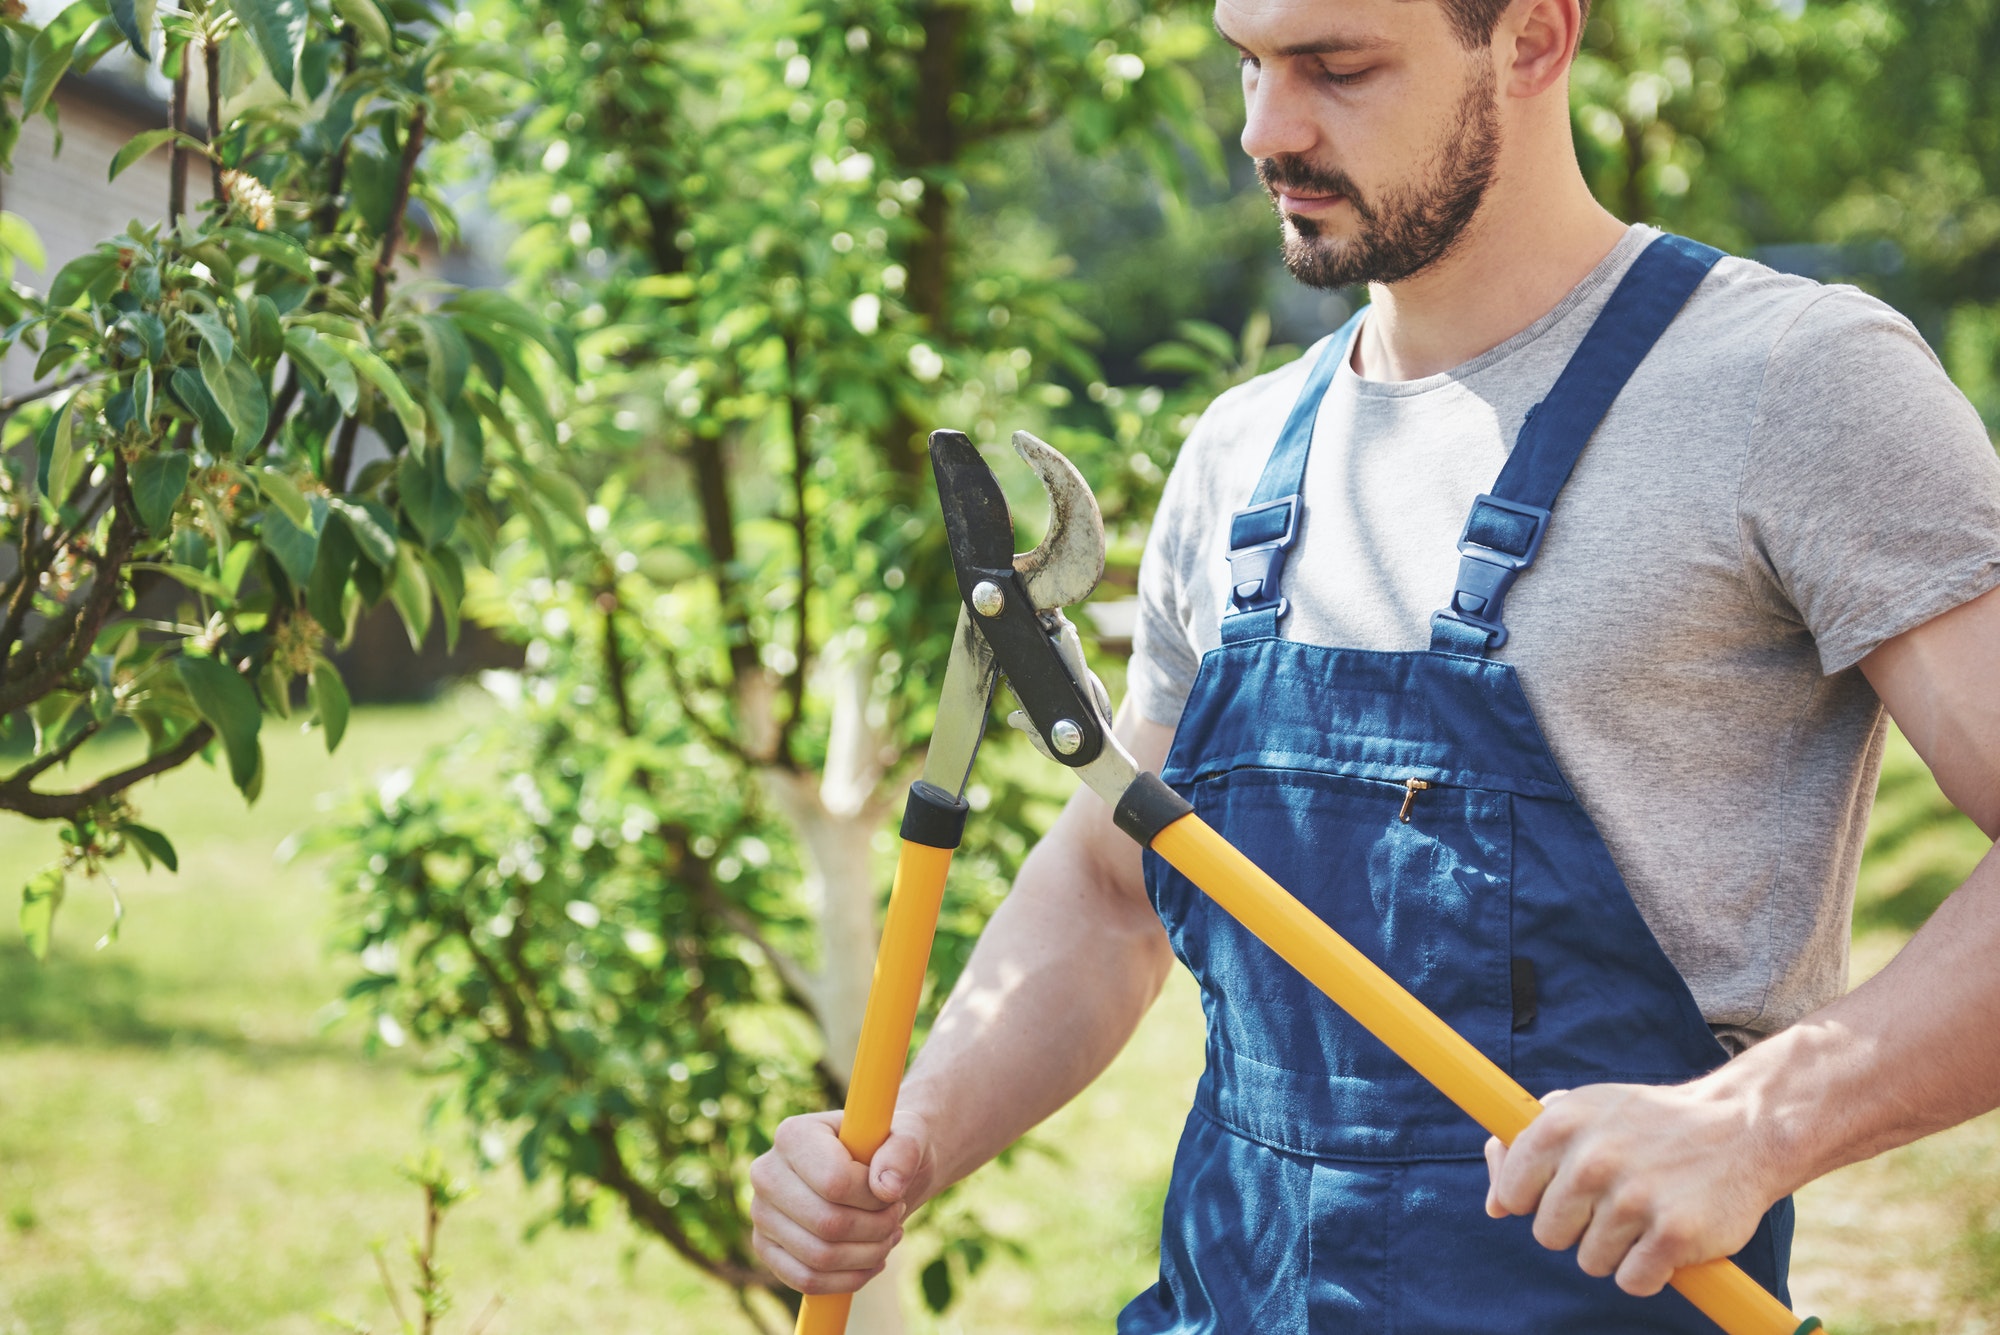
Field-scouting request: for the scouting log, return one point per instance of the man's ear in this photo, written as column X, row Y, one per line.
column 1535, row 44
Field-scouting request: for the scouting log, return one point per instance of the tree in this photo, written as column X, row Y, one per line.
column 203, row 382
column 1857, row 141
column 756, row 221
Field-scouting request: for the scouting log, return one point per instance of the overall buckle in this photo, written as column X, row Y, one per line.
column 1259, row 537
column 1500, row 540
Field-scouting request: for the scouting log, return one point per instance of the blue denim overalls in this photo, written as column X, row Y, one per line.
column 1409, row 799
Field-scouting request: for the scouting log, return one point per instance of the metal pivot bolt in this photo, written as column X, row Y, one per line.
column 1065, row 736
column 988, row 598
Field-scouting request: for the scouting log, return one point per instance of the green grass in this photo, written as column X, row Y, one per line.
column 186, row 1145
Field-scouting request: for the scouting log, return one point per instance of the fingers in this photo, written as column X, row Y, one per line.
column 811, row 1146
column 815, row 1222
column 1522, row 1171
column 899, row 1162
column 814, row 1256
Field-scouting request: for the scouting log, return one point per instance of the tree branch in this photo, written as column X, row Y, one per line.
column 343, row 454
column 715, row 736
column 64, row 806
column 28, row 772
column 392, row 235
column 211, row 58
column 711, row 472
column 646, row 1209
column 795, row 681
column 281, row 407
column 28, row 396
column 177, row 171
column 49, row 663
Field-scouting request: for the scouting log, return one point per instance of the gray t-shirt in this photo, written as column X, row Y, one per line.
column 1788, row 480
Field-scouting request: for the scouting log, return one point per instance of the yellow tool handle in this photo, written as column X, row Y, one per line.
column 885, row 1033
column 1386, row 1009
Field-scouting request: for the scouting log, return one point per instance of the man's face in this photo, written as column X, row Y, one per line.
column 1375, row 131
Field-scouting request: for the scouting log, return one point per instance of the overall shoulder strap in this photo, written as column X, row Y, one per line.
column 1504, row 532
column 1264, row 530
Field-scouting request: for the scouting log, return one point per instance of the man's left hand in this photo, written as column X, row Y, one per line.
column 1642, row 1180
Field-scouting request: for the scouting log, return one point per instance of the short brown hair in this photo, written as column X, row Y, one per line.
column 1474, row 20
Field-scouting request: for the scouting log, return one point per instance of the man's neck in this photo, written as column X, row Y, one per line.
column 1515, row 262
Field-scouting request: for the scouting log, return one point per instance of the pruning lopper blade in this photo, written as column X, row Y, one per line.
column 1013, row 603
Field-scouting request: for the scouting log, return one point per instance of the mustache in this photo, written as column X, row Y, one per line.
column 1296, row 174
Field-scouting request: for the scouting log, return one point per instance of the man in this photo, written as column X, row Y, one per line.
column 1607, row 824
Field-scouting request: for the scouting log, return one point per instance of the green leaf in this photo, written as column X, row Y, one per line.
column 215, row 335
column 295, row 546
column 240, row 394
column 154, row 843
column 425, row 496
column 266, row 336
column 146, row 327
column 80, row 275
column 281, row 491
column 937, row 1285
column 18, row 241
column 50, row 53
column 236, row 565
column 143, row 403
column 140, row 145
column 274, row 247
column 198, row 580
column 310, row 347
column 135, row 19
column 448, row 354
column 329, row 697
column 378, row 373
column 501, row 311
column 228, row 703
column 279, row 27
column 326, row 594
column 217, row 433
column 65, row 463
column 447, row 574
column 373, row 530
column 40, row 899
column 367, row 19
column 157, row 483
column 410, row 590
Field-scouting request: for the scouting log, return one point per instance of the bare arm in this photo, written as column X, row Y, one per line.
column 1056, row 985
column 1645, row 1180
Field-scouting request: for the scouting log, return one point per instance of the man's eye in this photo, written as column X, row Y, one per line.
column 1335, row 77
column 1246, row 61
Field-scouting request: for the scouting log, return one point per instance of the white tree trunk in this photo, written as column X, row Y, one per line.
column 835, row 817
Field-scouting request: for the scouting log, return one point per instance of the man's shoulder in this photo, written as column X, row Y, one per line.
column 1247, row 416
column 1749, row 314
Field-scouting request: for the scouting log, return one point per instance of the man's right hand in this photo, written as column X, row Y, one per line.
column 825, row 1223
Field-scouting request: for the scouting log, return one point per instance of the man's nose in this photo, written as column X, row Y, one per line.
column 1275, row 119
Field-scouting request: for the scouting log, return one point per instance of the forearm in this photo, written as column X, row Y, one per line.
column 1913, row 1050
column 1058, row 982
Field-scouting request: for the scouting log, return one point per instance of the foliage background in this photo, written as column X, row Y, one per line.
column 739, row 236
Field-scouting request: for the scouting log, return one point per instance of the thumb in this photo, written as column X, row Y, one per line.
column 896, row 1166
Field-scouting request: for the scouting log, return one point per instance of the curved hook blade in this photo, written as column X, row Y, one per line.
column 1070, row 560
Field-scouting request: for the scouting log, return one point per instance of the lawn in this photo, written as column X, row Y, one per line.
column 192, row 1141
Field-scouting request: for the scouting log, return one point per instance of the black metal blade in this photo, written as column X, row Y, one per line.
column 976, row 519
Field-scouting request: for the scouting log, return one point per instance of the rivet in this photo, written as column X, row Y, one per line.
column 988, row 598
column 1065, row 736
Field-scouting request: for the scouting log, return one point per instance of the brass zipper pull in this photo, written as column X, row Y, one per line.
column 1411, row 787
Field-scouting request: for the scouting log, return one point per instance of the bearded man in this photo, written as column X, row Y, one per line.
column 1605, row 822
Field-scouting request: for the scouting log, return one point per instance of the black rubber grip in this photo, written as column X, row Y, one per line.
column 1148, row 807
column 933, row 817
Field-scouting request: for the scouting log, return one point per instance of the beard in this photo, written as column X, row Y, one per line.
column 1404, row 232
